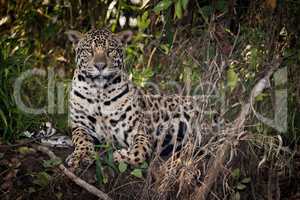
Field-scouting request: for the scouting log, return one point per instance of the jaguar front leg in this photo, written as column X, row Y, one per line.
column 140, row 150
column 83, row 154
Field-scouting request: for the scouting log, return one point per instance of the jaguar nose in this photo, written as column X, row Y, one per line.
column 100, row 66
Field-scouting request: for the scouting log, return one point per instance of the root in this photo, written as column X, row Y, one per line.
column 90, row 188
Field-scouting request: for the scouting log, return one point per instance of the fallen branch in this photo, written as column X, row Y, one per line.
column 90, row 188
column 218, row 162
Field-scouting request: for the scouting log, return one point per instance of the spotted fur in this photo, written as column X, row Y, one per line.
column 106, row 106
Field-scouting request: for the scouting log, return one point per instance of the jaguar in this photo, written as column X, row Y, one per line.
column 105, row 106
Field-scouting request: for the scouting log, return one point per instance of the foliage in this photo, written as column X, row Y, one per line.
column 174, row 40
column 240, row 184
column 13, row 58
column 33, row 37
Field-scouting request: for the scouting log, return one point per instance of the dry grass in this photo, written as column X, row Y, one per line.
column 202, row 169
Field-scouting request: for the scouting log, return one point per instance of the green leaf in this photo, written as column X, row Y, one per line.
column 122, row 167
column 232, row 79
column 221, row 5
column 51, row 163
column 108, row 159
column 236, row 196
column 59, row 195
column 261, row 96
column 26, row 150
column 254, row 57
column 145, row 16
column 137, row 173
column 178, row 9
column 241, row 186
column 109, row 156
column 165, row 48
column 42, row 179
column 206, row 12
column 31, row 190
column 143, row 21
column 246, row 180
column 169, row 32
column 99, row 174
column 163, row 5
column 105, row 179
column 3, row 118
column 144, row 165
column 184, row 4
column 236, row 173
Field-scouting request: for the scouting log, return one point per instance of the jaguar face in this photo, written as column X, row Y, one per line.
column 99, row 65
column 98, row 54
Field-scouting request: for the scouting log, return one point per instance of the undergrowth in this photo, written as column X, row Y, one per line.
column 173, row 41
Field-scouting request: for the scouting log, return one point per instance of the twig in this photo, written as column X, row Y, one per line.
column 222, row 152
column 124, row 185
column 150, row 58
column 213, row 172
column 90, row 188
column 235, row 41
column 21, row 143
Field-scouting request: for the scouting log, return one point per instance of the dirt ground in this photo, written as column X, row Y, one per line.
column 26, row 174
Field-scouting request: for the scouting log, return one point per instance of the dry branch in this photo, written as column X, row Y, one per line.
column 218, row 162
column 90, row 188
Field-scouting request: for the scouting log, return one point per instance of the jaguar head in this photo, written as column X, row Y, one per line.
column 98, row 53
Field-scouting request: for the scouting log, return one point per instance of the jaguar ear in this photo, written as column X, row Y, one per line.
column 124, row 36
column 74, row 36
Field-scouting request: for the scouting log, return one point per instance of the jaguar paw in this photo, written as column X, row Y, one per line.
column 120, row 155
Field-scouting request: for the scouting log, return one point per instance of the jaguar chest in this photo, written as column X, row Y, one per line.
column 119, row 122
column 119, row 114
